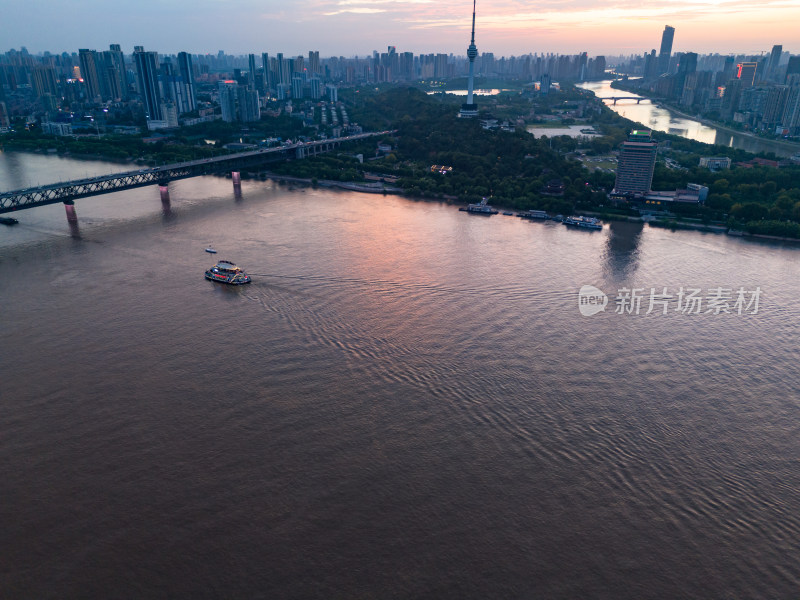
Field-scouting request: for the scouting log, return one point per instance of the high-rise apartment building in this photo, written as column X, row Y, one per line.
column 89, row 73
column 266, row 64
column 746, row 73
column 637, row 161
column 313, row 62
column 227, row 99
column 666, row 49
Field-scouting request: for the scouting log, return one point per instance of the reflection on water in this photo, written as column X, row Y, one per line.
column 661, row 119
column 621, row 253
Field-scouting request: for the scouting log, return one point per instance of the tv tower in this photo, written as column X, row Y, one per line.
column 470, row 109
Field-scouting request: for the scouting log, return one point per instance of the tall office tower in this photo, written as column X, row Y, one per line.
column 269, row 79
column 251, row 71
column 186, row 72
column 313, row 62
column 637, row 161
column 116, row 61
column 746, row 73
column 774, row 61
column 89, row 73
column 470, row 108
column 249, row 107
column 227, row 99
column 147, row 77
column 666, row 49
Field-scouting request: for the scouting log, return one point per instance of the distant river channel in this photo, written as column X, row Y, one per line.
column 663, row 119
column 407, row 402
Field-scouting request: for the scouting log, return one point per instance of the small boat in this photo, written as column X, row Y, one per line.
column 8, row 221
column 210, row 250
column 227, row 272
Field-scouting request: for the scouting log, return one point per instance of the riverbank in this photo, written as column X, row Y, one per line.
column 791, row 146
column 783, row 147
column 367, row 188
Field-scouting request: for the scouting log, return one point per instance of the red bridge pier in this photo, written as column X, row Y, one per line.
column 69, row 206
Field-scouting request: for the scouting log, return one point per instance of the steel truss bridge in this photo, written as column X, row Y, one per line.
column 69, row 191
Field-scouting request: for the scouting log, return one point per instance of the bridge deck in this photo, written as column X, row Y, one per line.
column 67, row 191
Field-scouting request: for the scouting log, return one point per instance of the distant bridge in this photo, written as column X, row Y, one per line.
column 615, row 98
column 69, row 191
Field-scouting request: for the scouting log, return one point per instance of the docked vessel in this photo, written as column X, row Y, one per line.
column 583, row 222
column 227, row 272
column 8, row 221
column 534, row 214
column 481, row 208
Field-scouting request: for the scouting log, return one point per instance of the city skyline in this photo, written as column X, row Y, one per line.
column 357, row 27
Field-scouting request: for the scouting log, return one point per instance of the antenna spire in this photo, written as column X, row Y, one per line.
column 473, row 21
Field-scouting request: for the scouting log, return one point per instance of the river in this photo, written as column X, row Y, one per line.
column 406, row 402
column 663, row 119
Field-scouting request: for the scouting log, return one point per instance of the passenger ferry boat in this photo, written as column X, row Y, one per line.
column 583, row 222
column 227, row 272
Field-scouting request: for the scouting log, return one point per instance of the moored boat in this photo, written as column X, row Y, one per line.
column 227, row 272
column 481, row 208
column 8, row 221
column 583, row 223
column 534, row 214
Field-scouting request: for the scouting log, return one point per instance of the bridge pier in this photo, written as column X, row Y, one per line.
column 236, row 176
column 72, row 216
column 163, row 189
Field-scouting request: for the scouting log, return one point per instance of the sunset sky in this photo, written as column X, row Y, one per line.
column 356, row 27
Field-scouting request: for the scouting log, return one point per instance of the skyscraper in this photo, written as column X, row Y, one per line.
column 470, row 109
column 774, row 61
column 637, row 161
column 150, row 91
column 186, row 70
column 89, row 73
column 313, row 62
column 227, row 99
column 666, row 49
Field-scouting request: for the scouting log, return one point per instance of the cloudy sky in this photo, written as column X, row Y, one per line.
column 356, row 27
